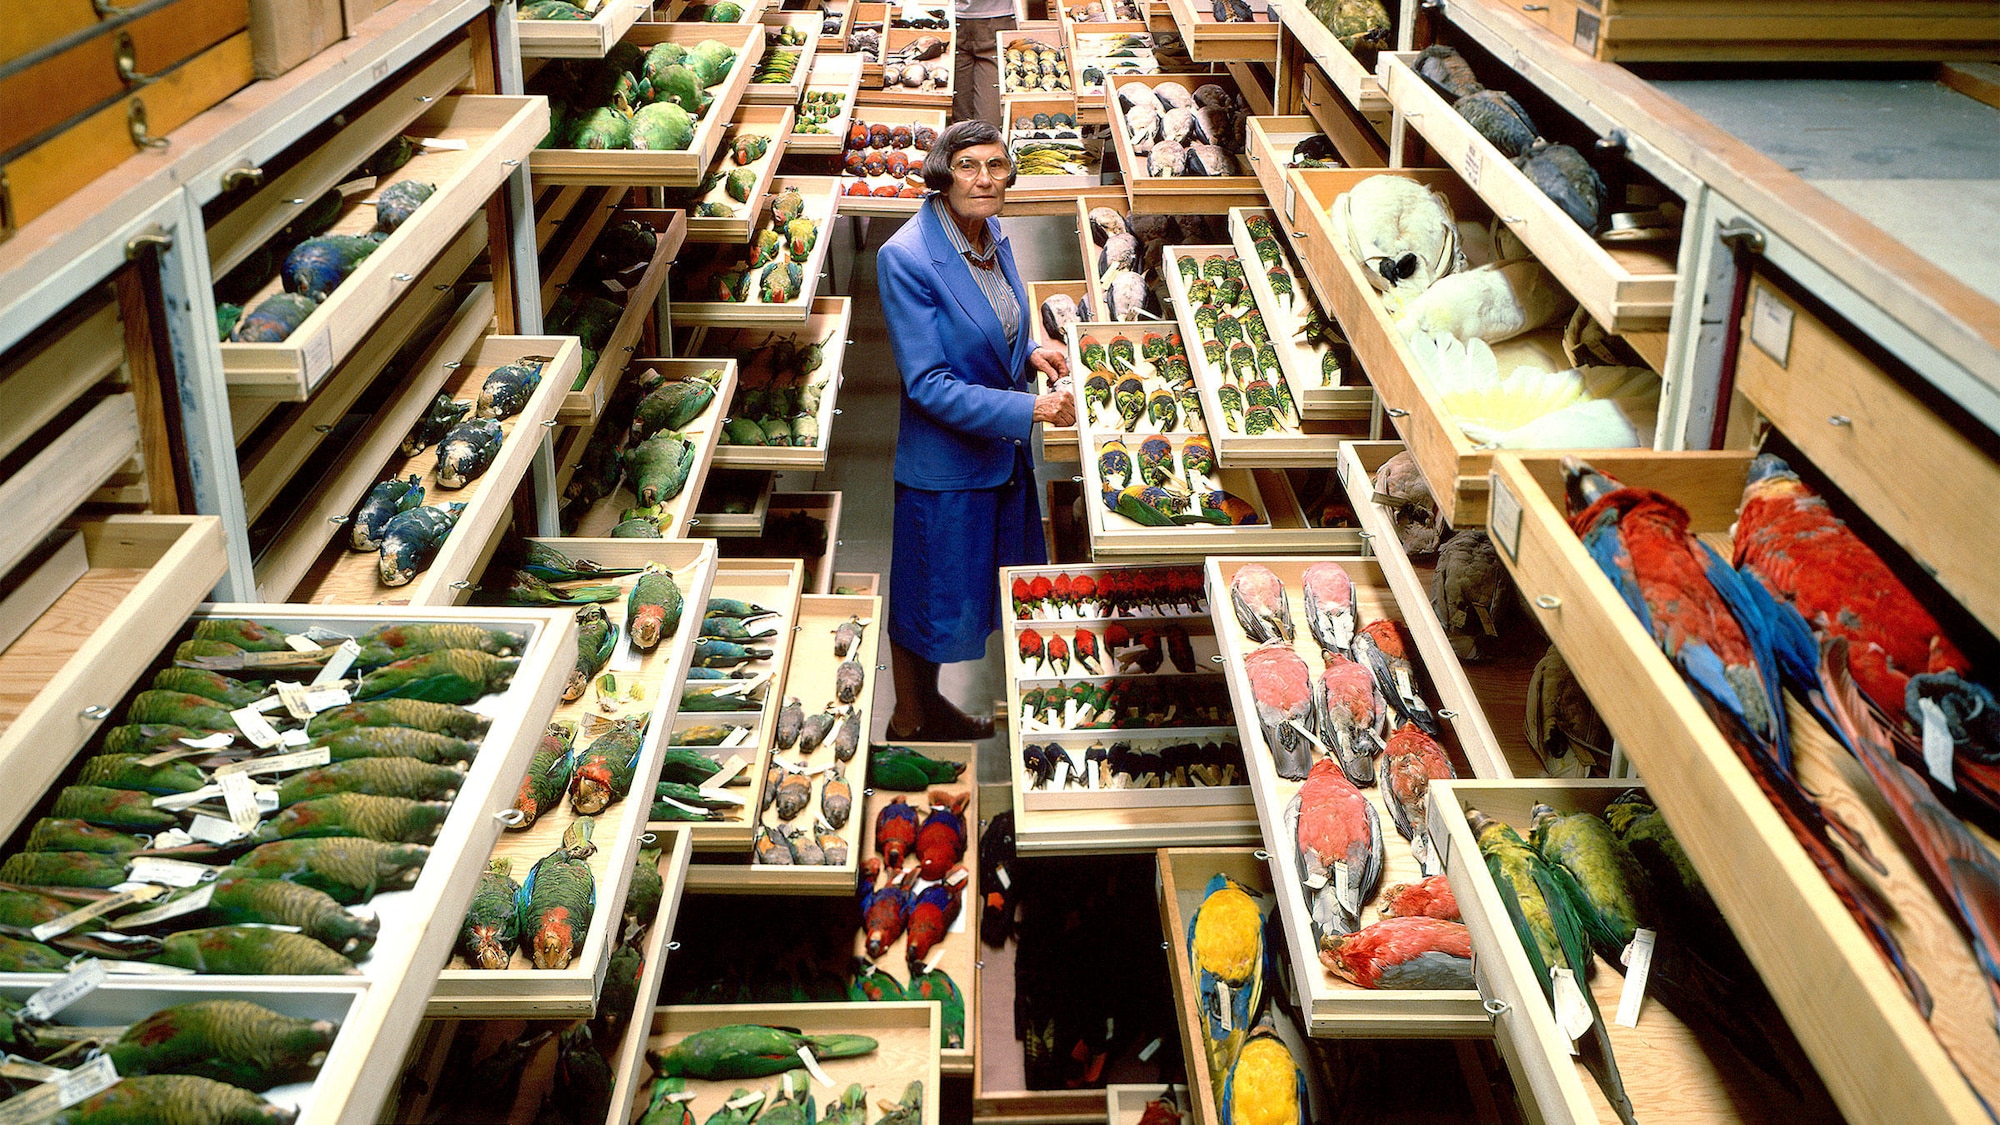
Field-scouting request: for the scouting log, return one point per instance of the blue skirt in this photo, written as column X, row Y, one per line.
column 944, row 566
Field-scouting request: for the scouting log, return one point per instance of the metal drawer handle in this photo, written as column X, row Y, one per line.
column 152, row 237
column 108, row 11
column 337, row 520
column 243, row 174
column 1216, row 659
column 1365, row 534
column 510, row 818
column 401, row 277
column 1447, row 713
column 1395, row 412
column 96, row 712
column 135, row 124
column 1496, row 1008
column 1839, row 420
column 322, row 427
column 1534, row 7
column 1548, row 601
column 126, row 57
column 1298, row 234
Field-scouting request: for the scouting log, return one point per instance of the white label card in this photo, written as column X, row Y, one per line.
column 1937, row 743
column 337, row 665
column 1503, row 518
column 169, row 872
column 98, row 909
column 1638, row 959
column 441, row 144
column 213, row 830
column 239, row 792
column 255, row 727
column 186, row 904
column 812, row 1067
column 1571, row 1009
column 162, row 757
column 299, row 642
column 318, row 355
column 1771, row 324
column 88, row 1080
column 75, row 985
column 279, row 763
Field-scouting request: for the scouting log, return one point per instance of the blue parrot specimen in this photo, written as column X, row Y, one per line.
column 1225, row 943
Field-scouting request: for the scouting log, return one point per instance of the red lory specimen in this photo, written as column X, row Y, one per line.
column 1695, row 606
column 1792, row 544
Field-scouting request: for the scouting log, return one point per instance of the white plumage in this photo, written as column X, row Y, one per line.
column 1402, row 233
column 1492, row 302
column 1579, row 408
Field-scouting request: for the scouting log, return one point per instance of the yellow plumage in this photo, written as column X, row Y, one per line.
column 1264, row 1086
column 1226, row 934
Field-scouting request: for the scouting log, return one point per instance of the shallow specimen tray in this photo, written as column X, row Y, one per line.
column 1332, row 1006
column 787, row 93
column 1183, row 884
column 520, row 989
column 629, row 1054
column 729, row 524
column 1353, row 399
column 580, row 39
column 336, row 573
column 828, row 326
column 873, row 93
column 837, row 73
column 1177, row 195
column 583, row 405
column 694, row 302
column 1126, row 1105
column 907, row 1034
column 1773, row 30
column 1670, row 1072
column 1354, row 81
column 892, row 116
column 681, row 169
column 1838, row 994
column 1268, row 141
column 958, row 954
column 1625, row 285
column 1089, row 98
column 703, row 431
column 1210, row 40
column 498, row 133
column 773, row 121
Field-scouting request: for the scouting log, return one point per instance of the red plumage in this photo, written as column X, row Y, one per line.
column 895, row 833
column 1371, row 957
column 940, row 843
column 884, row 913
column 931, row 915
column 1431, row 898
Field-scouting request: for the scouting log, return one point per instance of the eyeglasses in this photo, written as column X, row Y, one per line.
column 966, row 168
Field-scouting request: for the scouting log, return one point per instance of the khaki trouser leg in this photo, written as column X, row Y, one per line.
column 977, row 89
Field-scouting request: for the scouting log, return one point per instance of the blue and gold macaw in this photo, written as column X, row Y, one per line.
column 1225, row 944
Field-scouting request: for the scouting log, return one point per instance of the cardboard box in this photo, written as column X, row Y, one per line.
column 285, row 33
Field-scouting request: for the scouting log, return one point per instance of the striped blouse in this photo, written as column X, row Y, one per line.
column 985, row 270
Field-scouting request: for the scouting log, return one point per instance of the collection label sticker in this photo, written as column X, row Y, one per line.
column 76, row 984
column 174, row 753
column 87, row 1081
column 1638, row 959
column 186, row 904
column 239, row 792
column 1572, row 1010
column 1503, row 517
column 277, row 763
column 299, row 642
column 1471, row 172
column 1771, row 324
column 255, row 727
column 213, row 830
column 336, row 666
column 169, row 872
column 98, row 909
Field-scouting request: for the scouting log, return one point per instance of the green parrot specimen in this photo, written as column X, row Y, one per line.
column 792, row 1103
column 210, row 685
column 279, row 903
column 583, row 1079
column 557, row 899
column 851, row 1108
column 642, row 898
column 123, row 771
column 653, row 610
column 904, row 770
column 741, row 1108
column 254, row 950
column 388, row 819
column 112, row 808
column 548, row 774
column 386, row 644
column 933, row 984
column 746, row 1050
column 620, row 992
column 657, row 468
column 604, row 771
column 396, row 742
column 669, row 1103
column 348, row 868
column 453, row 675
column 493, row 923
column 173, row 1099
column 1617, row 894
column 596, row 637
column 382, row 777
column 233, row 1041
column 182, row 708
column 909, row 1110
column 412, row 714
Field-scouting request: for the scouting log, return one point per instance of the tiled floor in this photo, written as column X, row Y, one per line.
column 862, row 456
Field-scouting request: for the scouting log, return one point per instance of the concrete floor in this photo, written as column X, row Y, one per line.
column 861, row 458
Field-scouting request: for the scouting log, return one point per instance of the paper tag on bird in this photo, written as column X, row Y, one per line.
column 174, row 753
column 255, row 727
column 239, row 792
column 812, row 1067
column 1428, row 859
column 1223, row 1004
column 1061, row 779
column 186, row 904
column 441, row 144
column 168, row 872
column 326, row 699
column 292, row 697
column 336, row 666
column 213, row 830
column 735, row 738
column 728, row 772
column 1937, row 743
column 299, row 642
column 87, row 1081
column 1344, row 887
column 1571, row 1009
column 98, row 909
column 1638, row 960
column 175, row 802
column 277, row 763
column 294, row 738
column 76, row 984
column 172, row 838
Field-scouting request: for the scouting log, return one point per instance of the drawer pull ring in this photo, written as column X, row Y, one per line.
column 1446, row 713
column 1512, row 220
column 152, row 237
column 461, row 584
column 1395, row 412
column 1534, row 7
column 510, row 818
column 1548, row 601
column 135, row 124
column 401, row 277
column 1298, row 234
column 1839, row 420
column 1216, row 659
column 1496, row 1008
column 108, row 11
column 322, row 427
column 673, row 946
column 692, row 522
column 242, row 174
column 1261, row 856
column 1365, row 534
column 96, row 712
column 126, row 57
column 338, row 520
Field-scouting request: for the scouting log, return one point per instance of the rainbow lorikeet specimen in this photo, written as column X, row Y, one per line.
column 1330, row 608
column 885, row 910
column 1696, row 608
column 1265, row 1085
column 1415, row 952
column 604, row 771
column 493, row 922
column 896, row 829
column 1410, row 762
column 1542, row 901
column 234, row 1041
column 1147, row 505
column 1225, row 947
column 168, row 1099
column 940, row 841
column 1339, row 840
column 1348, row 706
column 556, row 900
column 750, row 1051
column 932, row 911
column 1282, row 687
column 933, row 984
column 1262, row 608
column 1430, row 898
column 1382, row 646
column 1911, row 674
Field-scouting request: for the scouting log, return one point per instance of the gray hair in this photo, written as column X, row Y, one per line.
column 959, row 135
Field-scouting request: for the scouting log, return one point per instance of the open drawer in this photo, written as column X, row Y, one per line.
column 489, row 136
column 1837, row 992
column 1454, row 465
column 644, row 678
column 772, row 122
column 141, row 576
column 900, row 195
column 797, row 525
column 831, row 89
column 1333, row 1006
column 1627, row 285
column 735, row 502
column 1329, row 384
column 1354, row 81
column 875, row 91
column 1184, row 873
column 1210, row 40
column 580, row 39
column 588, row 396
column 699, row 299
column 827, row 328
column 628, row 1057
column 312, row 560
column 1152, row 798
column 797, row 24
column 704, row 431
column 1098, row 51
column 1269, row 142
column 1670, row 1071
column 1176, row 195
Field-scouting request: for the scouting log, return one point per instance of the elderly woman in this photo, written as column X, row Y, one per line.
column 966, row 505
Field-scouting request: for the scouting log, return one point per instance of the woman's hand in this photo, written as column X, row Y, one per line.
column 1051, row 362
column 1058, row 407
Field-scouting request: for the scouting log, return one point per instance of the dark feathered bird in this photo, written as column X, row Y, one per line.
column 1498, row 118
column 1444, row 68
column 1567, row 179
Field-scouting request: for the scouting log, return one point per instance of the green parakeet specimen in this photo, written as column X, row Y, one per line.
column 233, row 1041
column 557, row 898
column 493, row 923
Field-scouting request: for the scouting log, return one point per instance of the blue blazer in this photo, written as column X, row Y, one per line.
column 968, row 404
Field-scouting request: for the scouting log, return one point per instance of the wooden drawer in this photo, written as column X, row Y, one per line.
column 1352, row 399
column 89, row 74
column 786, row 93
column 1087, row 246
column 521, row 989
column 1126, row 1105
column 585, row 403
column 1210, row 40
column 497, row 133
column 1058, row 442
column 770, row 121
column 34, row 27
column 1178, row 195
column 1453, row 465
column 580, row 39
column 675, row 518
column 1356, row 83
column 1836, row 991
column 1668, row 1071
column 828, row 327
column 869, row 204
column 62, row 475
column 1332, row 1006
column 683, row 169
column 1269, row 141
column 1047, row 34
column 873, row 93
column 694, row 301
column 627, row 1096
column 834, row 74
column 312, row 561
column 1072, row 820
column 726, row 507
column 1086, row 44
column 1858, row 422
column 1627, row 286
column 1045, row 194
column 823, row 507
column 1184, row 873
column 1776, row 30
column 33, row 180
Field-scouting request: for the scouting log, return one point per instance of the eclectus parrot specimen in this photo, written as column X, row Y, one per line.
column 1339, row 841
column 556, row 900
column 1542, row 902
column 1414, row 952
column 1225, row 944
column 1262, row 608
column 1265, row 1086
column 885, row 910
column 1282, row 686
column 1348, row 704
column 750, row 1051
column 896, row 828
column 1382, row 646
column 940, row 842
column 933, row 984
column 493, row 923
column 1330, row 607
column 932, row 911
column 1410, row 762
column 1431, row 898
column 232, row 1041
column 1695, row 606
column 1792, row 544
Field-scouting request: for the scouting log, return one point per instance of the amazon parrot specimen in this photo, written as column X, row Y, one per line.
column 1410, row 762
column 1282, row 686
column 1262, row 608
column 642, row 897
column 494, row 920
column 940, row 839
column 932, row 911
column 1563, row 727
column 885, row 910
column 1415, row 952
column 1330, row 608
column 1542, row 903
column 1382, row 646
column 1789, row 541
column 1617, row 893
column 548, row 774
column 1225, row 944
column 556, row 900
column 232, row 1041
column 1265, row 1086
column 1431, row 898
column 1694, row 605
column 1339, row 841
column 1348, row 704
column 751, row 1051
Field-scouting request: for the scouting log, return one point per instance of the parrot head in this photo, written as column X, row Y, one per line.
column 593, row 787
column 488, row 950
column 1584, row 485
column 647, row 625
column 1768, row 466
column 555, row 940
